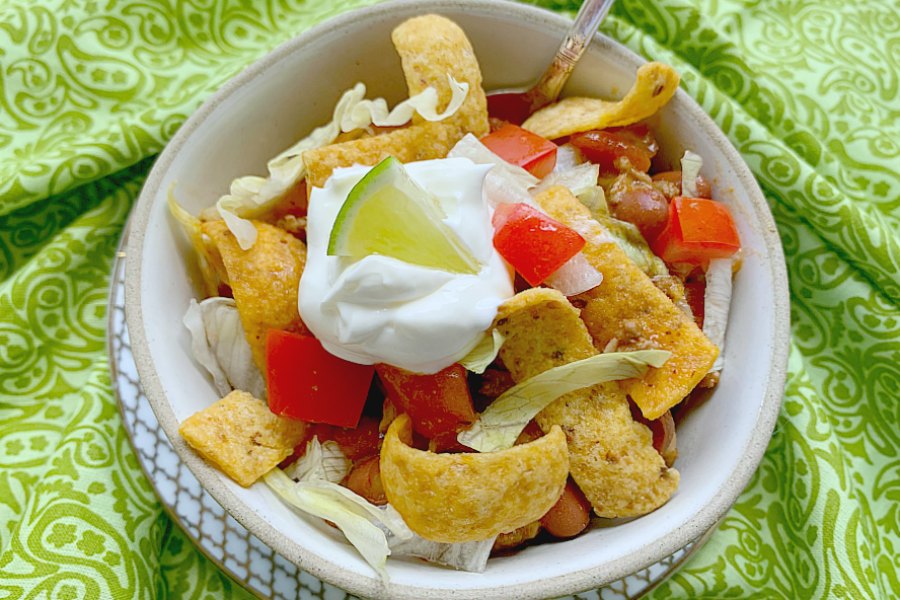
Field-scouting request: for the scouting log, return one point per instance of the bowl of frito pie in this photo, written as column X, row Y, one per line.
column 426, row 349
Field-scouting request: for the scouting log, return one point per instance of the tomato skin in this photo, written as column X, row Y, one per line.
column 697, row 231
column 306, row 382
column 359, row 442
column 605, row 146
column 437, row 404
column 523, row 148
column 533, row 243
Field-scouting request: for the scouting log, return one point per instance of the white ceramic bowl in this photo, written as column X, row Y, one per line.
column 293, row 89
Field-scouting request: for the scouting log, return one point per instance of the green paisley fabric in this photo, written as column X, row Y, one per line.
column 807, row 90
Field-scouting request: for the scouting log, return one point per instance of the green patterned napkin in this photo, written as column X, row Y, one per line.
column 806, row 89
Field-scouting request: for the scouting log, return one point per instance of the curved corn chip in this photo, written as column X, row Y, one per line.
column 263, row 279
column 611, row 456
column 432, row 47
column 655, row 85
column 627, row 307
column 469, row 497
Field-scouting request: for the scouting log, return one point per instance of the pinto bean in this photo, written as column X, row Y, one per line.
column 570, row 515
column 638, row 202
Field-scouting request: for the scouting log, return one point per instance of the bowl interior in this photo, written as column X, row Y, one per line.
column 293, row 90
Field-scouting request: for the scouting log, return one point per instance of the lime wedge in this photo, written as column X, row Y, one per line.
column 388, row 213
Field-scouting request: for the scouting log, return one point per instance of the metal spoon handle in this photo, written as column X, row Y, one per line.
column 588, row 19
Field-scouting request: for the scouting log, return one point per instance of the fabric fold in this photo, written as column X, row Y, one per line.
column 89, row 93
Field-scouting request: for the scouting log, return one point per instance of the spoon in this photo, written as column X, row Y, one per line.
column 514, row 105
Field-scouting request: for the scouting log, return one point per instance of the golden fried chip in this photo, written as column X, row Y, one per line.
column 470, row 497
column 628, row 308
column 241, row 436
column 432, row 47
column 418, row 142
column 611, row 456
column 263, row 280
column 655, row 85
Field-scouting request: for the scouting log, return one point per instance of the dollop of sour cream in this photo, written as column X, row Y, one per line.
column 383, row 310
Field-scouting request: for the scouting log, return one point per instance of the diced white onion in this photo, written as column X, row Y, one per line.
column 577, row 275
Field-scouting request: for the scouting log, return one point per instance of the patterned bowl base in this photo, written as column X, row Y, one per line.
column 240, row 554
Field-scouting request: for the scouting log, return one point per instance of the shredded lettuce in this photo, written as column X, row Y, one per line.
column 485, row 351
column 630, row 240
column 595, row 200
column 251, row 195
column 376, row 532
column 579, row 179
column 717, row 303
column 218, row 343
column 359, row 520
column 467, row 556
column 567, row 156
column 576, row 275
column 690, row 168
column 364, row 112
column 501, row 423
column 320, row 462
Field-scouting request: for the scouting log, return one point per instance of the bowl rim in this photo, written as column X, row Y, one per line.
column 651, row 552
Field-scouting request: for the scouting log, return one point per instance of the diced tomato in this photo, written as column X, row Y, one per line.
column 697, row 231
column 360, row 441
column 533, row 243
column 523, row 148
column 436, row 404
column 306, row 382
column 605, row 146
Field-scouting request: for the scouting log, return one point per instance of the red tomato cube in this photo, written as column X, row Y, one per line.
column 523, row 148
column 697, row 231
column 437, row 404
column 307, row 382
column 533, row 243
